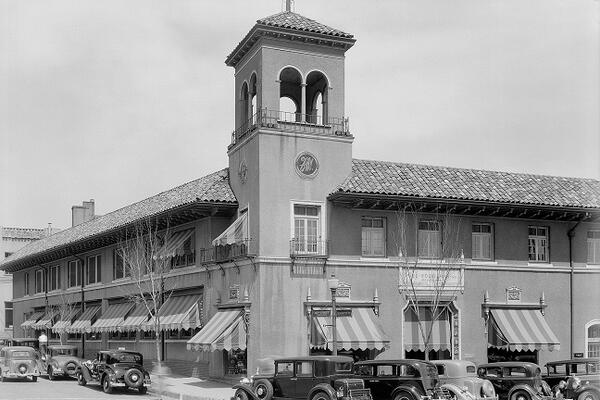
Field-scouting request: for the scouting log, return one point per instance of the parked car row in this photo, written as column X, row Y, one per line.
column 110, row 368
column 339, row 378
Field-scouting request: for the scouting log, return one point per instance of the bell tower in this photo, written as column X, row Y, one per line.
column 291, row 137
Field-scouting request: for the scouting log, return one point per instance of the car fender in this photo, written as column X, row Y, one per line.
column 85, row 372
column 534, row 395
column 457, row 391
column 247, row 389
column 589, row 387
column 322, row 387
column 411, row 389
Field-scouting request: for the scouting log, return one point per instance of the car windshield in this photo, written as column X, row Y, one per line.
column 125, row 357
column 63, row 352
column 21, row 354
column 343, row 366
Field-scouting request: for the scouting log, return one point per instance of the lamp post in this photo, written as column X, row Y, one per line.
column 333, row 283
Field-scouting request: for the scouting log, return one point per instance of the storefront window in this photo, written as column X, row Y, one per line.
column 593, row 340
column 236, row 361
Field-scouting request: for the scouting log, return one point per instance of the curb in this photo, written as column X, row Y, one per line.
column 167, row 394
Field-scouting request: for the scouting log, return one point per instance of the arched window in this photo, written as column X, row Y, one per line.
column 244, row 97
column 252, row 93
column 317, row 89
column 290, row 95
column 592, row 338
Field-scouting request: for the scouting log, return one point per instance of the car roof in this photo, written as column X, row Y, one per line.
column 18, row 348
column 315, row 358
column 394, row 361
column 573, row 361
column 510, row 364
column 118, row 352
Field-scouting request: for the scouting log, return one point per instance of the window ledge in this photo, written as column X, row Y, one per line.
column 539, row 264
column 374, row 258
column 93, row 285
column 124, row 279
column 484, row 262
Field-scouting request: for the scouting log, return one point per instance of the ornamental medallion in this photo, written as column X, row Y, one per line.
column 307, row 165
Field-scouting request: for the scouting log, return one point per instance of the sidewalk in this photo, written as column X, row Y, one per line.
column 186, row 388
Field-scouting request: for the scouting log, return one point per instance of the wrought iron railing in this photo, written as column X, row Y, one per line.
column 292, row 122
column 304, row 247
column 224, row 253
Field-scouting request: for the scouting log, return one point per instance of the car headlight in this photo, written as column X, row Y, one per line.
column 340, row 391
column 487, row 389
column 245, row 381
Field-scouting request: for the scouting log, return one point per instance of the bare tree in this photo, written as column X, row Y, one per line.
column 142, row 256
column 65, row 309
column 430, row 264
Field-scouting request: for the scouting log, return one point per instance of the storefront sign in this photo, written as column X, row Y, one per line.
column 307, row 165
column 426, row 279
column 577, row 355
column 234, row 292
column 340, row 312
column 513, row 295
column 343, row 290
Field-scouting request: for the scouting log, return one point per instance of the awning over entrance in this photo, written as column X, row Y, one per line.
column 225, row 331
column 174, row 245
column 361, row 330
column 45, row 322
column 135, row 320
column 65, row 322
column 440, row 330
column 516, row 329
column 32, row 320
column 235, row 233
column 180, row 312
column 84, row 322
column 112, row 317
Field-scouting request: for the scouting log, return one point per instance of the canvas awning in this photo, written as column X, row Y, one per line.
column 226, row 330
column 440, row 337
column 517, row 329
column 112, row 317
column 65, row 322
column 135, row 320
column 180, row 312
column 84, row 322
column 360, row 330
column 174, row 245
column 45, row 322
column 235, row 233
column 32, row 320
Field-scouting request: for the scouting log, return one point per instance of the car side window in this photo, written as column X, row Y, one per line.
column 304, row 368
column 515, row 371
column 557, row 369
column 494, row 372
column 592, row 368
column 407, row 370
column 470, row 369
column 440, row 370
column 363, row 370
column 285, row 369
column 385, row 370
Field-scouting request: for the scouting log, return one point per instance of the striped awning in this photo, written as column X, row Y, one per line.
column 84, row 322
column 360, row 330
column 45, row 322
column 516, row 329
column 65, row 322
column 235, row 233
column 112, row 317
column 174, row 244
column 226, row 330
column 32, row 320
column 180, row 312
column 415, row 328
column 135, row 320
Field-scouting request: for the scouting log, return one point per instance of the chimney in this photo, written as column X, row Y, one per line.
column 82, row 213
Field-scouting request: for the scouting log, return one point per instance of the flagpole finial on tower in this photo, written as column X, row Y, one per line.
column 288, row 5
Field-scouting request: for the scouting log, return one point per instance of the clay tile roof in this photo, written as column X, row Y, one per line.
column 213, row 188
column 399, row 179
column 291, row 20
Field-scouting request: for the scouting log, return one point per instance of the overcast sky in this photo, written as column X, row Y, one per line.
column 120, row 100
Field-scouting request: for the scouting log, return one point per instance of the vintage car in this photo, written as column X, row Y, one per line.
column 115, row 368
column 516, row 380
column 578, row 378
column 309, row 377
column 19, row 362
column 60, row 361
column 460, row 378
column 400, row 379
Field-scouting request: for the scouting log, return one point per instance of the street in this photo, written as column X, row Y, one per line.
column 63, row 389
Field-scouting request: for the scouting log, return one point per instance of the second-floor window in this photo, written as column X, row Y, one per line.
column 93, row 270
column 307, row 228
column 430, row 239
column 54, row 278
column 26, row 282
column 120, row 270
column 8, row 314
column 593, row 247
column 482, row 241
column 373, row 236
column 74, row 271
column 40, row 282
column 538, row 244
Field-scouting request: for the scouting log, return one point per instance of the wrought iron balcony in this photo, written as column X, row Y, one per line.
column 304, row 247
column 291, row 122
column 223, row 253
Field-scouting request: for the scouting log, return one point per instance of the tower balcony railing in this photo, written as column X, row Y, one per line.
column 224, row 253
column 292, row 122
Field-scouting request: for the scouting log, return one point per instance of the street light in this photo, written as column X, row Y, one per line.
column 333, row 284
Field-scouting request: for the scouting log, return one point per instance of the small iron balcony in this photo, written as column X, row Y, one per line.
column 304, row 247
column 223, row 253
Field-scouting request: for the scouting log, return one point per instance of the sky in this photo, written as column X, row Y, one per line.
column 119, row 100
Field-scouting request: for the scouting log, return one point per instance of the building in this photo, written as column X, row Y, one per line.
column 495, row 265
column 11, row 240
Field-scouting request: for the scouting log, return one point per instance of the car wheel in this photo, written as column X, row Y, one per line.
column 404, row 395
column 134, row 378
column 587, row 395
column 520, row 395
column 240, row 395
column 34, row 379
column 106, row 385
column 50, row 376
column 320, row 396
column 263, row 389
column 80, row 379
